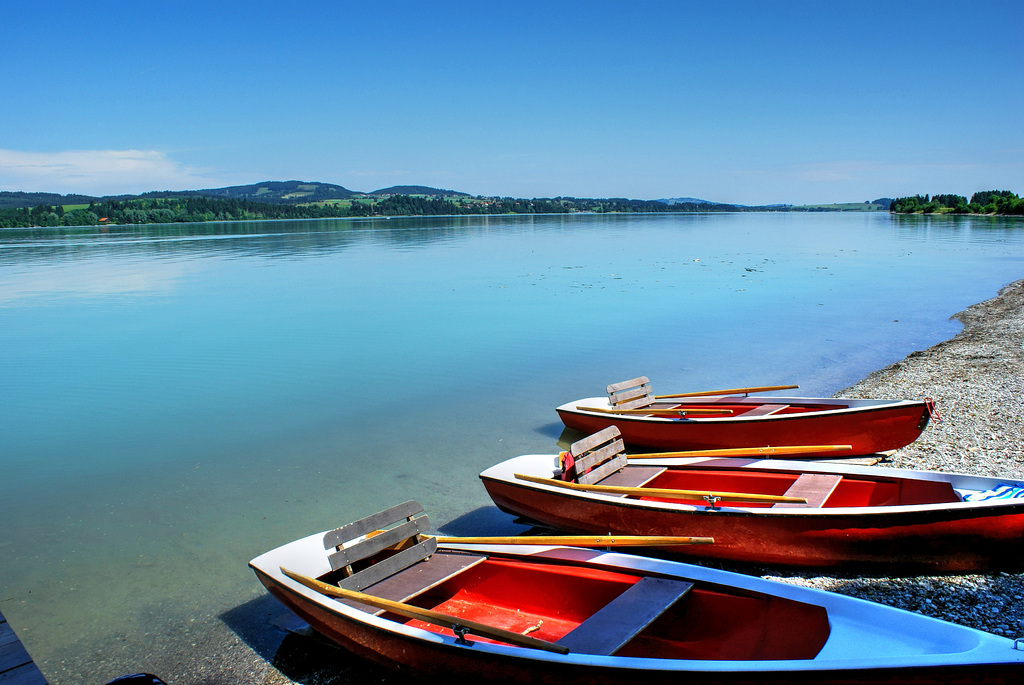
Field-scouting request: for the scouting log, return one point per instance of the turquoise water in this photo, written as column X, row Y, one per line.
column 177, row 399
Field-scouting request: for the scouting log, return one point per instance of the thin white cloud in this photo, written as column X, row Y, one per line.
column 98, row 172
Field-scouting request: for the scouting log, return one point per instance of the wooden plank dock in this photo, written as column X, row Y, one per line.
column 16, row 666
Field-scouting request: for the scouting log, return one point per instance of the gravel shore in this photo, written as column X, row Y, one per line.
column 977, row 381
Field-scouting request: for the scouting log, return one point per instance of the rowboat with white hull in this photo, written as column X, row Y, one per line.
column 554, row 614
column 732, row 418
column 897, row 520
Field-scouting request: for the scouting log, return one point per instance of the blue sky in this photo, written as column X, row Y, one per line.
column 746, row 102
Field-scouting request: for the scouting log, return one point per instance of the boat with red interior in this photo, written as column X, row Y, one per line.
column 732, row 418
column 772, row 511
column 540, row 613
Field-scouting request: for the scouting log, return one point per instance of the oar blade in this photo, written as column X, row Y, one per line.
column 782, row 450
column 732, row 391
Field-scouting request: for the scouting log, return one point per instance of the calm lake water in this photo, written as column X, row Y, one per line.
column 175, row 400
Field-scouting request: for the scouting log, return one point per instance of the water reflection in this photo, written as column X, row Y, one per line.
column 293, row 239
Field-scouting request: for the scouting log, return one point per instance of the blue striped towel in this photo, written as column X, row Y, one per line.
column 1001, row 491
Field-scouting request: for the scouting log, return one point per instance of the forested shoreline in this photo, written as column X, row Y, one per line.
column 185, row 207
column 1001, row 202
column 188, row 209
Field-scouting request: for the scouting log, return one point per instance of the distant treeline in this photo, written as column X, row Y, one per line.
column 160, row 211
column 175, row 209
column 986, row 202
column 411, row 205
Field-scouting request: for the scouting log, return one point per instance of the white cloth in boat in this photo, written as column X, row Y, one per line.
column 1001, row 491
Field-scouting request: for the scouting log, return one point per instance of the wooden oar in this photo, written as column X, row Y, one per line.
column 734, row 391
column 663, row 492
column 656, row 412
column 582, row 540
column 745, row 451
column 426, row 615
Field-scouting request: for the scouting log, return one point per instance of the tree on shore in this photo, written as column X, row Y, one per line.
column 987, row 202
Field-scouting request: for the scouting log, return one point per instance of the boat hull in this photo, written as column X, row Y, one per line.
column 955, row 537
column 868, row 428
column 412, row 656
column 989, row 659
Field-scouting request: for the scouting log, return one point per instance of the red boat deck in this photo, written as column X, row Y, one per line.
column 740, row 409
column 849, row 492
column 552, row 601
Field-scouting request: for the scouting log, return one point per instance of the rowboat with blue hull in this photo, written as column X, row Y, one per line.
column 384, row 589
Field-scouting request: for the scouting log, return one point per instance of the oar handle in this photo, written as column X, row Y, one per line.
column 656, row 412
column 734, row 391
column 745, row 451
column 582, row 540
column 664, row 492
column 426, row 615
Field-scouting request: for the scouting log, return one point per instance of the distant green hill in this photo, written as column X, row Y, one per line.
column 418, row 190
column 280, row 192
column 15, row 199
column 269, row 192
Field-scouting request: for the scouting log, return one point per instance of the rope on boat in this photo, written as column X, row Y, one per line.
column 933, row 412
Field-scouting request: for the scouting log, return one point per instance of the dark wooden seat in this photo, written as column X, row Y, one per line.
column 619, row 621
column 814, row 487
column 414, row 565
column 633, row 476
column 765, row 410
column 631, row 394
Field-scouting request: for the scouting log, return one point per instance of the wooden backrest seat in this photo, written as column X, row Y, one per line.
column 622, row 619
column 631, row 394
column 603, row 453
column 415, row 568
column 380, row 530
column 814, row 487
column 764, row 410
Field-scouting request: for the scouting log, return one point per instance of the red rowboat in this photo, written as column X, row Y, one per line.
column 699, row 421
column 852, row 516
column 546, row 614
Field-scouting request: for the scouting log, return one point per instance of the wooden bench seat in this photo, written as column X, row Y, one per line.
column 619, row 621
column 815, row 487
column 765, row 410
column 633, row 476
column 418, row 578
